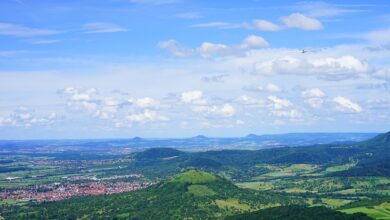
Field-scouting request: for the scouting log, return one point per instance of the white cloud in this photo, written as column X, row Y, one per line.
column 313, row 93
column 147, row 102
column 293, row 113
column 240, row 122
column 346, row 105
column 208, row 49
column 174, row 48
column 300, row 21
column 331, row 68
column 101, row 27
column 194, row 96
column 77, row 95
column 269, row 87
column 294, row 20
column 23, row 31
column 314, row 97
column 227, row 110
column 279, row 103
column 247, row 100
column 272, row 88
column 253, row 41
column 265, row 25
column 146, row 116
column 25, row 117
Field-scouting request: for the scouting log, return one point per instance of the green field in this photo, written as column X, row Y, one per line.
column 380, row 212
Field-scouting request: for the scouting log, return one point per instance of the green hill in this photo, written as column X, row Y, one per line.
column 193, row 194
column 372, row 156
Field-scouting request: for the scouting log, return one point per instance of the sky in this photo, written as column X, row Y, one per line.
column 180, row 68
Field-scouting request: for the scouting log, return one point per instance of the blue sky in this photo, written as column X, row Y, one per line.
column 178, row 68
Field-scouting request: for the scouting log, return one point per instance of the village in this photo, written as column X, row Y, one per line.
column 61, row 191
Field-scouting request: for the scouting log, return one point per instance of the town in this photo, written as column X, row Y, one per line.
column 60, row 191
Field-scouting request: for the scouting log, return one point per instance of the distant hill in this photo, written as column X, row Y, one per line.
column 372, row 155
column 192, row 194
column 374, row 158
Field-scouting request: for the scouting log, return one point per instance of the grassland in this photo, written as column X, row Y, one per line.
column 314, row 183
column 380, row 212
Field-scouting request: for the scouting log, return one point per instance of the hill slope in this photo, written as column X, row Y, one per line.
column 373, row 159
column 194, row 194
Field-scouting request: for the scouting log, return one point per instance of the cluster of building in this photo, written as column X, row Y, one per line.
column 57, row 191
column 94, row 178
column 78, row 162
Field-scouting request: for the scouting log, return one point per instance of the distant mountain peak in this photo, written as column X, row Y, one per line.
column 252, row 136
column 200, row 137
column 137, row 139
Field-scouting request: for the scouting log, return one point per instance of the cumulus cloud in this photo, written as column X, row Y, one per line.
column 346, row 105
column 279, row 103
column 194, row 96
column 283, row 108
column 253, row 41
column 294, row 20
column 146, row 116
column 25, row 117
column 314, row 97
column 121, row 112
column 265, row 25
column 269, row 87
column 225, row 110
column 147, row 102
column 300, row 21
column 247, row 100
column 331, row 68
column 208, row 49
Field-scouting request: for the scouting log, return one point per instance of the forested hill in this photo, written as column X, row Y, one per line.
column 373, row 158
column 193, row 194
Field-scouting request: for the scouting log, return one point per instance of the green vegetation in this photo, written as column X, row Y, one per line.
column 194, row 194
column 375, row 208
column 351, row 178
column 194, row 177
column 297, row 212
